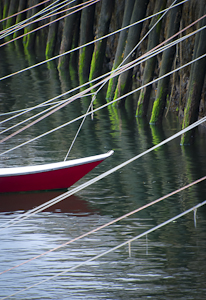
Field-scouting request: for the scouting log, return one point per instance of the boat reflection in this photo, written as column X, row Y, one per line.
column 11, row 202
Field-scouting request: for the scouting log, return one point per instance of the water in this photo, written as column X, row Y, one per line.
column 167, row 264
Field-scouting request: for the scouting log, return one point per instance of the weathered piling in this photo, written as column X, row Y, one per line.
column 129, row 4
column 74, row 56
column 13, row 6
column 20, row 17
column 166, row 65
column 149, row 69
column 30, row 39
column 91, row 61
column 86, row 35
column 196, row 81
column 67, row 37
column 1, row 10
column 5, row 9
column 51, row 37
column 125, row 79
column 100, row 46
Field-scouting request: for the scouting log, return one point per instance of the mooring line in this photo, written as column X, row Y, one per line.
column 97, row 178
column 92, row 42
column 105, row 225
column 120, row 70
column 14, row 28
column 94, row 110
column 117, row 72
column 104, row 75
column 110, row 250
column 80, row 127
column 42, row 104
column 48, row 14
column 47, row 24
column 145, row 55
column 22, row 11
column 113, row 71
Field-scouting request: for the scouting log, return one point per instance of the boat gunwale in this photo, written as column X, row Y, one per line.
column 26, row 170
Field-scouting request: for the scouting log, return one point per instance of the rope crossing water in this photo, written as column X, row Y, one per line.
column 89, row 113
column 48, row 15
column 65, row 195
column 91, row 2
column 92, row 181
column 146, row 55
column 113, row 71
column 90, row 43
column 102, row 226
column 22, row 11
column 128, row 242
column 117, row 72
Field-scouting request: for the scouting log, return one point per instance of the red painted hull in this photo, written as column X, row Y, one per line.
column 57, row 179
column 60, row 178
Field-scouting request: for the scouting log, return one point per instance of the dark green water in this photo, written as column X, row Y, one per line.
column 169, row 264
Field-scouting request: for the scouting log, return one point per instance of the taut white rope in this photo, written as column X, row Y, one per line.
column 111, row 250
column 92, row 181
column 87, row 44
column 117, row 72
column 91, row 2
column 18, row 26
column 103, row 106
column 108, row 224
column 113, row 71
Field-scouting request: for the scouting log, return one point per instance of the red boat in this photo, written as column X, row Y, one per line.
column 49, row 176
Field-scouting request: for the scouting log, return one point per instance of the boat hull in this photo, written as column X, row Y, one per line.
column 55, row 176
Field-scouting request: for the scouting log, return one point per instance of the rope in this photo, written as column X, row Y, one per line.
column 26, row 109
column 52, row 106
column 144, row 37
column 107, row 224
column 19, row 26
column 156, row 47
column 80, row 126
column 122, row 69
column 145, row 55
column 38, row 106
column 94, row 180
column 22, row 11
column 37, row 120
column 32, row 117
column 111, row 249
column 92, row 42
column 66, row 104
column 34, row 30
column 52, row 6
column 101, row 107
column 114, row 72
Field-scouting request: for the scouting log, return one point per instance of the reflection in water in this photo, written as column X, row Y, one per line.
column 169, row 265
column 12, row 202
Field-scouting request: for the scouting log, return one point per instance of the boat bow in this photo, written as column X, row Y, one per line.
column 58, row 175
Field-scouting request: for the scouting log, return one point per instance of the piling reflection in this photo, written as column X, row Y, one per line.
column 172, row 260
